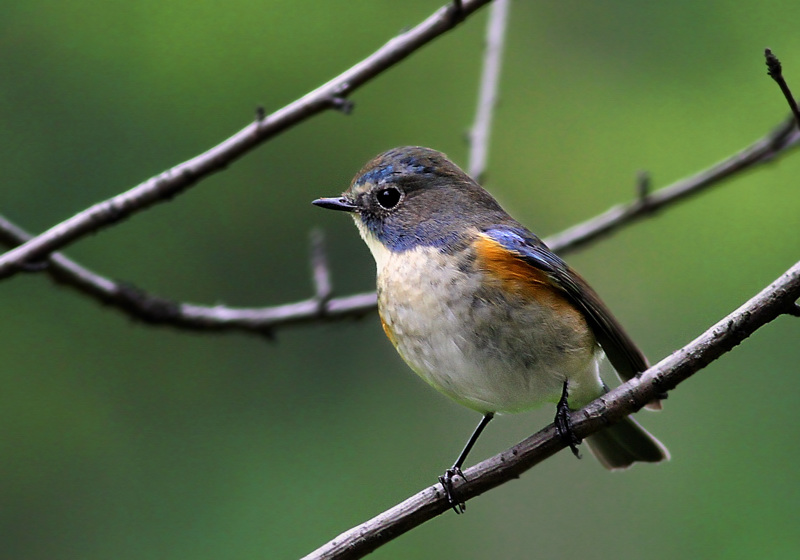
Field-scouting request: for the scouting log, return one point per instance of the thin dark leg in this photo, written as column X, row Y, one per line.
column 447, row 478
column 563, row 422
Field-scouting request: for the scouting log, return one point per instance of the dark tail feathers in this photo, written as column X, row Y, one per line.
column 624, row 443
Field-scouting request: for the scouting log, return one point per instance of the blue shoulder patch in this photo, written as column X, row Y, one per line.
column 527, row 246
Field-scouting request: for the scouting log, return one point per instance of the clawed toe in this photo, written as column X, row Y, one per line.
column 563, row 422
column 452, row 496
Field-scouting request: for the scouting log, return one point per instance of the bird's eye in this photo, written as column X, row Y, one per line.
column 388, row 198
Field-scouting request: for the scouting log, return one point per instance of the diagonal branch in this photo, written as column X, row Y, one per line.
column 173, row 181
column 767, row 149
column 156, row 310
column 777, row 299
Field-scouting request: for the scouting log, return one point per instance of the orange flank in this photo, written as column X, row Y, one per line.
column 515, row 275
column 388, row 331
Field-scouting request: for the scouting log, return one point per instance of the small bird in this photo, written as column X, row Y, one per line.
column 481, row 309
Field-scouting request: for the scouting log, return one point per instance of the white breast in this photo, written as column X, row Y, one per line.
column 490, row 353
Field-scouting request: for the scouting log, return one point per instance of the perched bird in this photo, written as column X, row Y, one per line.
column 481, row 309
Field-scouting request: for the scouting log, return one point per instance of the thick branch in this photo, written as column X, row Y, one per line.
column 171, row 182
column 776, row 299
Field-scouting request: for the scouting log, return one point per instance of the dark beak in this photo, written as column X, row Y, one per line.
column 340, row 203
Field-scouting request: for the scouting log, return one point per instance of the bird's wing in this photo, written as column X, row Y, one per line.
column 621, row 351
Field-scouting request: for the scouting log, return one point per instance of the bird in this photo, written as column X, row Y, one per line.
column 482, row 310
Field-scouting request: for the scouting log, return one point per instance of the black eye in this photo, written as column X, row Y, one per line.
column 388, row 198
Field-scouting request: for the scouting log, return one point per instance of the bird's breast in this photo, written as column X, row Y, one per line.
column 494, row 342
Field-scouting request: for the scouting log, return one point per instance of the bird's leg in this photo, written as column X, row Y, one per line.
column 563, row 422
column 447, row 478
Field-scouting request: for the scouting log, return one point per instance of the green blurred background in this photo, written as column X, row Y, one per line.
column 121, row 440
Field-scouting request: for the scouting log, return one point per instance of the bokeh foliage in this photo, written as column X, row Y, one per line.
column 126, row 441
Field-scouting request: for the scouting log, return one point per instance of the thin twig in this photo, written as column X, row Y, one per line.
column 643, row 185
column 775, row 72
column 171, row 182
column 765, row 150
column 487, row 97
column 611, row 407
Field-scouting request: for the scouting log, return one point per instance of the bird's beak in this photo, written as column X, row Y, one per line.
column 340, row 203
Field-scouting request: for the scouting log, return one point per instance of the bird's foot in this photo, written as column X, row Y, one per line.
column 563, row 422
column 452, row 496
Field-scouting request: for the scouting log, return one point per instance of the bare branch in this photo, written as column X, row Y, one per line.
column 767, row 149
column 156, row 310
column 171, row 182
column 487, row 97
column 775, row 72
column 770, row 303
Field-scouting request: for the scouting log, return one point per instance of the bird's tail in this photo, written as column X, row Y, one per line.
column 624, row 443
